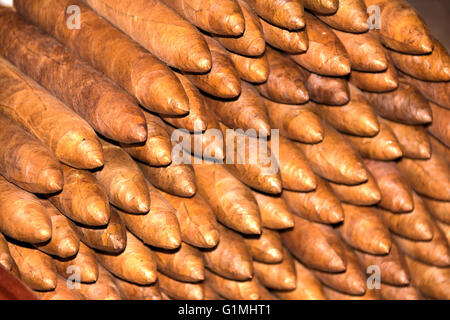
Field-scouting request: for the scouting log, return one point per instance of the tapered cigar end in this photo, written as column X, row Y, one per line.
column 379, row 64
column 330, row 6
column 301, row 95
column 98, row 211
column 341, row 97
column 260, row 74
column 274, row 185
column 49, row 283
column 426, row 45
column 296, row 23
column 424, row 151
column 90, row 274
column 173, row 242
column 94, row 153
column 391, row 84
column 337, row 264
column 383, row 245
column 360, row 24
column 53, row 179
column 163, row 154
column 252, row 225
column 68, row 248
column 374, row 196
column 372, row 127
column 232, row 88
column 424, row 116
column 290, row 282
column 235, row 24
column 261, row 126
column 203, row 64
column 359, row 175
column 424, row 231
column 343, row 67
column 406, row 204
column 393, row 151
column 211, row 238
column 335, row 215
column 309, row 183
column 147, row 276
column 43, row 233
column 197, row 274
column 358, row 286
column 187, row 188
column 275, row 255
column 139, row 133
column 257, row 47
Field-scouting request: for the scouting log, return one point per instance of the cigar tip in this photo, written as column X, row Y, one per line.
column 140, row 132
column 232, row 88
column 54, row 179
column 301, row 95
column 361, row 175
column 341, row 97
column 49, row 283
column 68, row 247
column 204, row 64
column 257, row 46
column 189, row 188
column 274, row 185
column 426, row 45
column 261, row 126
column 296, row 23
column 360, row 24
column 165, row 158
column 253, row 296
column 98, row 210
column 290, row 282
column 212, row 238
column 424, row 115
column 173, row 242
column 372, row 127
column 275, row 254
column 359, row 286
column 236, row 24
column 384, row 245
column 406, row 205
column 424, row 151
column 43, row 234
column 380, row 64
column 335, row 215
column 287, row 221
column 337, row 264
column 149, row 275
column 374, row 195
column 402, row 277
column 253, row 225
column 343, row 68
column 309, row 183
column 425, row 230
column 391, row 83
column 143, row 206
column 393, row 151
column 197, row 274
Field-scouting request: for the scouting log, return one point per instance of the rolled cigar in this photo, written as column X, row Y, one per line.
column 231, row 258
column 378, row 82
column 246, row 112
column 198, row 226
column 396, row 193
column 123, row 181
column 438, row 209
column 296, row 122
column 365, row 51
column 231, row 201
column 428, row 177
column 132, row 291
column 334, row 158
column 295, row 172
column 431, row 281
column 438, row 92
column 294, row 41
column 233, row 289
column 157, row 148
column 182, row 264
column 439, row 128
column 251, row 160
column 413, row 140
column 103, row 289
column 223, row 79
column 401, row 28
column 333, row 294
column 325, row 55
column 326, row 90
column 278, row 276
column 84, row 262
column 287, row 14
column 22, row 215
column 364, row 194
column 364, row 230
column 178, row 43
column 392, row 266
column 357, row 117
column 389, row 292
column 431, row 67
column 404, row 104
column 36, row 269
column 221, row 18
column 251, row 42
column 383, row 146
column 196, row 119
column 435, row 252
column 315, row 245
column 320, row 205
column 274, row 211
column 350, row 16
column 6, row 260
column 135, row 264
column 141, row 74
column 106, row 107
column 176, row 179
column 322, row 6
column 110, row 238
column 64, row 242
column 159, row 227
column 69, row 137
column 308, row 287
column 82, row 199
column 26, row 162
column 180, row 290
column 352, row 281
column 285, row 82
column 251, row 69
column 415, row 225
column 266, row 247
column 61, row 292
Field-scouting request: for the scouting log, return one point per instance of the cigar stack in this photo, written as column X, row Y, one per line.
column 93, row 204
